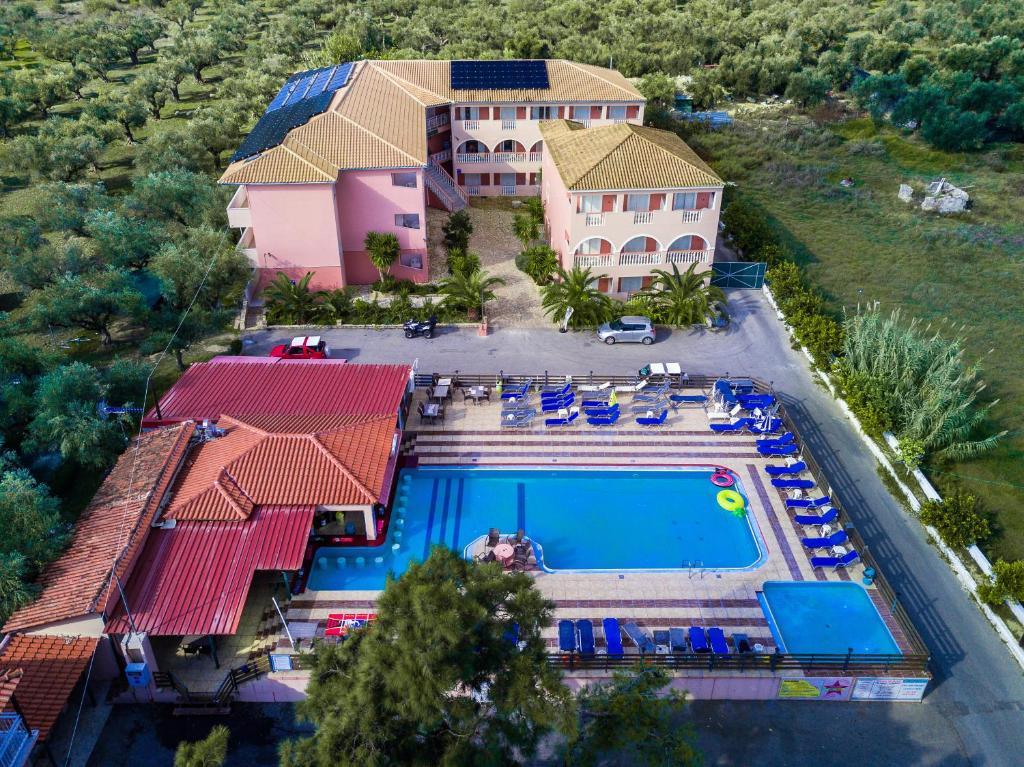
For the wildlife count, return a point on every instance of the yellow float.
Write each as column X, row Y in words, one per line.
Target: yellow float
column 732, row 502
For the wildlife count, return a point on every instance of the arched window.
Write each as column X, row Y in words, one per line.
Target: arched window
column 509, row 145
column 640, row 244
column 594, row 246
column 537, row 148
column 472, row 147
column 688, row 242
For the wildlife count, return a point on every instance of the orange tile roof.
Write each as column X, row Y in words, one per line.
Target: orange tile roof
column 113, row 526
column 51, row 667
column 299, row 460
column 9, row 679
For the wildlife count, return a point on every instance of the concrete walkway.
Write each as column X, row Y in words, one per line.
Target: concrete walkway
column 978, row 693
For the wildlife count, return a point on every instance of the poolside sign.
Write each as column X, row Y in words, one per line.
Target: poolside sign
column 816, row 688
column 875, row 688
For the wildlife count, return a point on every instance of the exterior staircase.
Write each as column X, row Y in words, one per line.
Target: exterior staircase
column 445, row 189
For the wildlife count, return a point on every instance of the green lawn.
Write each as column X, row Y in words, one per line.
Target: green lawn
column 864, row 244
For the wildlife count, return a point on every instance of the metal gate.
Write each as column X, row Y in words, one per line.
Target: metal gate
column 738, row 274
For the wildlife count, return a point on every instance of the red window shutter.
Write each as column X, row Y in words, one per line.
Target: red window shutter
column 485, row 179
column 561, row 113
column 604, row 284
column 520, row 113
column 606, row 247
column 703, row 200
column 646, row 283
column 458, row 113
column 650, row 245
column 533, row 179
column 462, row 180
column 595, row 113
column 632, row 112
column 520, row 179
column 657, row 200
column 608, row 203
column 697, row 243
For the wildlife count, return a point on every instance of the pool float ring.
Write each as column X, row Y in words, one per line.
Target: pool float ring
column 731, row 501
column 722, row 478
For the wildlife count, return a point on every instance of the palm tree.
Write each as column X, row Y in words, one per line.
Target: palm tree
column 383, row 249
column 469, row 292
column 576, row 289
column 525, row 228
column 682, row 299
column 292, row 303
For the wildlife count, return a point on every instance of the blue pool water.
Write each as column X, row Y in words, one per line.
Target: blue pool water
column 590, row 519
column 816, row 617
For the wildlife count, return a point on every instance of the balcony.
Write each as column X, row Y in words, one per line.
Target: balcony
column 536, row 156
column 509, row 190
column 239, row 215
column 16, row 740
column 437, row 123
column 498, row 157
column 470, row 125
column 644, row 217
column 594, row 219
column 650, row 258
column 247, row 245
column 601, row 260
column 692, row 216
column 508, row 124
column 473, row 157
column 439, row 157
column 473, row 191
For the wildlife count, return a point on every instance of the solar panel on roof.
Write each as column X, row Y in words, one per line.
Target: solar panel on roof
column 340, row 76
column 503, row 74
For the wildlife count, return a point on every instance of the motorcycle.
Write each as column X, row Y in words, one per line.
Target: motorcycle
column 425, row 328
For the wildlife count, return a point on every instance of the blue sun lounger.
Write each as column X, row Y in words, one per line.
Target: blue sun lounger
column 640, row 638
column 652, row 395
column 516, row 392
column 783, row 439
column 555, row 390
column 549, row 405
column 562, row 421
column 724, row 390
column 511, row 634
column 677, row 640
column 688, row 399
column 718, row 644
column 595, row 403
column 516, row 419
column 738, row 425
column 847, row 559
column 793, row 468
column 770, row 427
column 585, row 636
column 779, row 450
column 698, row 639
column 612, row 636
column 793, row 484
column 604, row 420
column 567, row 640
column 835, row 539
column 657, row 420
column 808, row 503
column 602, row 410
column 810, row 519
column 750, row 401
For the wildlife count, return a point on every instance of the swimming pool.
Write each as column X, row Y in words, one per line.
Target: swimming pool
column 586, row 519
column 816, row 617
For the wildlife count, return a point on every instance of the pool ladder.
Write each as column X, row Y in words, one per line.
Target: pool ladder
column 694, row 567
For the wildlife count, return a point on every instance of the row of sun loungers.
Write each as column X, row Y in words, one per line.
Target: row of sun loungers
column 578, row 637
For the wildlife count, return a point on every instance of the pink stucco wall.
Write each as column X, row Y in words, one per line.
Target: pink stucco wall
column 295, row 227
column 557, row 210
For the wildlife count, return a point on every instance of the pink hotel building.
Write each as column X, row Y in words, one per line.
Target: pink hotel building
column 367, row 146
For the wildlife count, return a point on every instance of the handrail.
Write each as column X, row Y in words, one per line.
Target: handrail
column 809, row 663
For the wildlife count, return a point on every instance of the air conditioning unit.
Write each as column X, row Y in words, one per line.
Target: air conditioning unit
column 137, row 674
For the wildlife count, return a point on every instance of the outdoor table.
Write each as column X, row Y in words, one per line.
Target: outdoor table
column 444, row 382
column 504, row 552
column 477, row 393
column 431, row 410
column 441, row 391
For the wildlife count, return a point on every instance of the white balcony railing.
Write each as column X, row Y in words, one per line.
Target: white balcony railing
column 439, row 157
column 438, row 121
column 595, row 219
column 509, row 190
column 692, row 216
column 473, row 191
column 470, row 125
column 584, row 122
column 247, row 244
column 594, row 259
column 473, row 157
column 239, row 215
column 641, row 259
column 508, row 124
column 644, row 217
column 690, row 256
column 536, row 156
column 508, row 157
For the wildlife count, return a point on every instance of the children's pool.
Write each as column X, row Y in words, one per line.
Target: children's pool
column 585, row 519
column 816, row 617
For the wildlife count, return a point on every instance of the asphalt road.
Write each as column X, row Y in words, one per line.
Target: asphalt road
column 974, row 710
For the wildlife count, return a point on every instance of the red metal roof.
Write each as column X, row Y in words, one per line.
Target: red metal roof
column 194, row 578
column 267, row 386
column 113, row 525
column 50, row 668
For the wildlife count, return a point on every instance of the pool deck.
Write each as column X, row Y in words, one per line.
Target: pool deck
column 471, row 435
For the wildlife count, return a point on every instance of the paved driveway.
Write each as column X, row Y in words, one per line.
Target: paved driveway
column 974, row 712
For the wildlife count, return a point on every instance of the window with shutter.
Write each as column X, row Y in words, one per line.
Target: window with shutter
column 595, row 113
column 632, row 112
column 608, row 203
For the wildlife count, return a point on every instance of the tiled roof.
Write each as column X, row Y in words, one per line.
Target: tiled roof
column 194, row 578
column 266, row 386
column 379, row 119
column 51, row 667
column 113, row 525
column 623, row 156
column 9, row 679
column 337, row 461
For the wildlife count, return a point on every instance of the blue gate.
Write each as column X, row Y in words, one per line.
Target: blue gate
column 738, row 274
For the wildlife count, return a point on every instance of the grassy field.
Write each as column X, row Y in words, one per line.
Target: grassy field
column 962, row 273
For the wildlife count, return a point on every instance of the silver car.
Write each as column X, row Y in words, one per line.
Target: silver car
column 624, row 329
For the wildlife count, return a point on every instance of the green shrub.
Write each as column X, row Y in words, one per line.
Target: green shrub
column 867, row 400
column 822, row 336
column 785, row 280
column 959, row 518
column 235, row 347
column 1007, row 584
column 462, row 262
column 773, row 254
column 457, row 230
column 539, row 262
column 746, row 226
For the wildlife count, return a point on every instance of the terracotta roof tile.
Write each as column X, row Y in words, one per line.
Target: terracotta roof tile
column 623, row 156
column 51, row 667
column 113, row 525
column 9, row 679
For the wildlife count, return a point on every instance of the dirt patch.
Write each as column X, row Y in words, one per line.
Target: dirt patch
column 518, row 300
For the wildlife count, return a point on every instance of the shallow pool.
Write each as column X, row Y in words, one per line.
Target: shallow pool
column 586, row 519
column 816, row 617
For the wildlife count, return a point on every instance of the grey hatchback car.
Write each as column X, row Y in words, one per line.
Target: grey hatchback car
column 626, row 329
